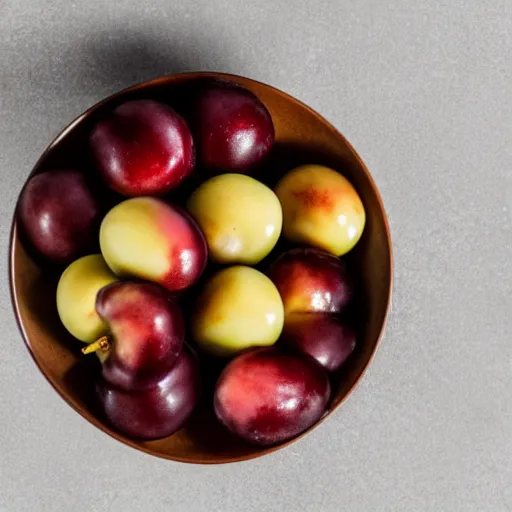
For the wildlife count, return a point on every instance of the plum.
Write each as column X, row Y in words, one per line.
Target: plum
column 311, row 281
column 158, row 411
column 232, row 128
column 238, row 308
column 240, row 217
column 147, row 238
column 321, row 208
column 143, row 148
column 267, row 396
column 146, row 333
column 60, row 214
column 325, row 337
column 76, row 297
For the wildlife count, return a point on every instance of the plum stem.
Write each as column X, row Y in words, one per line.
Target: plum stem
column 101, row 344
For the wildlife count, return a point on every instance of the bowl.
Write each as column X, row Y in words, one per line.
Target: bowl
column 302, row 136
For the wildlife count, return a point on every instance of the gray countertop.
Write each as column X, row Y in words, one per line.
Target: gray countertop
column 423, row 90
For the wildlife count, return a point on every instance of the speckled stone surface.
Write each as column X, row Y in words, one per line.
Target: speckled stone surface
column 424, row 92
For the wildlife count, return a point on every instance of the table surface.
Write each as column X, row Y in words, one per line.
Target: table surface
column 423, row 90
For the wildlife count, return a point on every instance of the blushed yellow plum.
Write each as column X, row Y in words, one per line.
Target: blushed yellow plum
column 150, row 239
column 76, row 297
column 241, row 218
column 321, row 208
column 238, row 308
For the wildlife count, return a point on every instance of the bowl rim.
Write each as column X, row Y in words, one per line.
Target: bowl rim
column 91, row 418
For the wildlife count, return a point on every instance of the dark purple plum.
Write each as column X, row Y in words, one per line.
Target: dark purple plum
column 146, row 333
column 267, row 396
column 158, row 411
column 233, row 129
column 60, row 215
column 143, row 148
column 324, row 337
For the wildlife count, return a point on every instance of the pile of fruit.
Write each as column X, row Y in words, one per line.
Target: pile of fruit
column 239, row 276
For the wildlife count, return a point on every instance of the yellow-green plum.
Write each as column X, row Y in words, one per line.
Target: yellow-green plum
column 241, row 218
column 76, row 297
column 321, row 208
column 147, row 238
column 238, row 308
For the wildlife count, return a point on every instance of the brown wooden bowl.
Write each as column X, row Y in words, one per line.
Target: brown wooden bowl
column 302, row 136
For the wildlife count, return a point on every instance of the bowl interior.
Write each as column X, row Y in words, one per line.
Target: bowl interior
column 302, row 136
